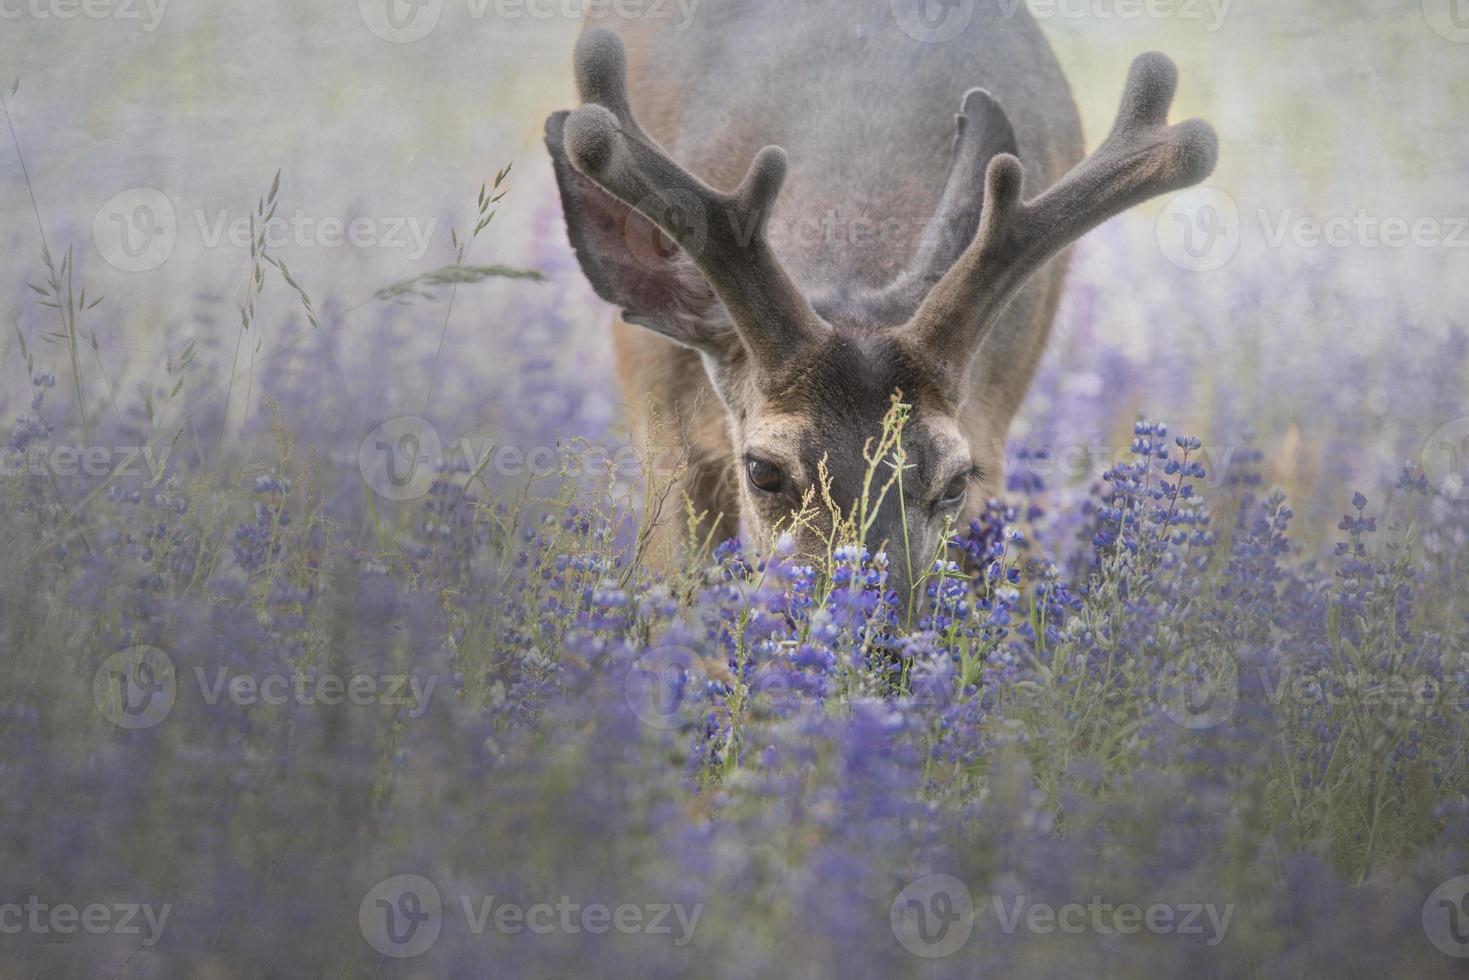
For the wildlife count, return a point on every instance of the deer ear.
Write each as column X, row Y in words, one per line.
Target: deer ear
column 630, row 263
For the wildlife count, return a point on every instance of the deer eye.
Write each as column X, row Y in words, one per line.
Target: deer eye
column 953, row 494
column 764, row 475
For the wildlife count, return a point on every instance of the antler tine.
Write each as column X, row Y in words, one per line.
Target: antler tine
column 981, row 132
column 1141, row 158
column 723, row 233
column 601, row 77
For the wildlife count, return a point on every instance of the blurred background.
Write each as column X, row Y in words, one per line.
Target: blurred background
column 1306, row 297
column 1307, row 305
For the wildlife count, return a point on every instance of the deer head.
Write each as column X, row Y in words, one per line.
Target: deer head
column 806, row 381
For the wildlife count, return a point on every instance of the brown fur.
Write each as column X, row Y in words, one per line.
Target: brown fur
column 761, row 359
column 666, row 390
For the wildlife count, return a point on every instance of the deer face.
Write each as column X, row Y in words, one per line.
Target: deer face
column 811, row 448
column 807, row 381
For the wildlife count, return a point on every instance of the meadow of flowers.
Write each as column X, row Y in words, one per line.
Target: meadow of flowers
column 325, row 659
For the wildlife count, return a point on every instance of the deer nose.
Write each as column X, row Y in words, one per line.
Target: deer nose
column 900, row 582
column 887, row 535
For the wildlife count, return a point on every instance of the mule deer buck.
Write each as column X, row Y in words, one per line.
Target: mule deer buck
column 773, row 357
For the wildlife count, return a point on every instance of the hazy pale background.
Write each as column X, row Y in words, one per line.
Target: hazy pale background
column 1326, row 110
